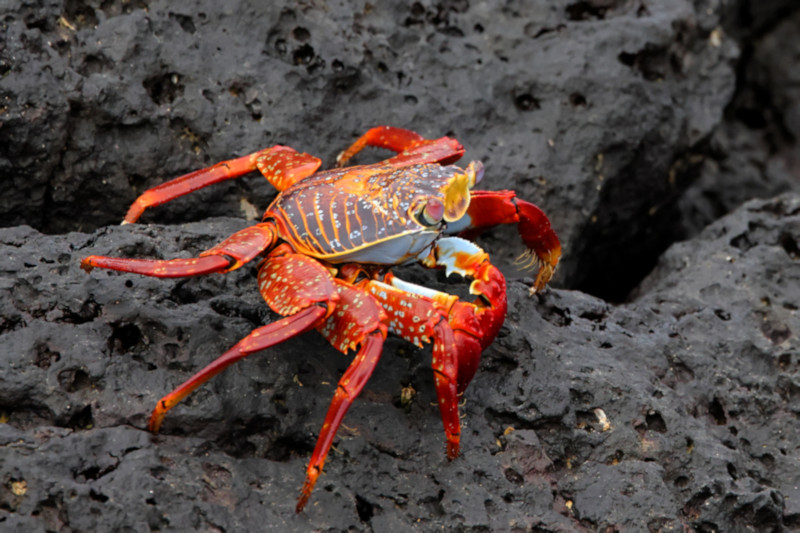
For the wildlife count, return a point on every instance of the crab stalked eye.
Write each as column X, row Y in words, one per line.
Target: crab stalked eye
column 429, row 212
column 433, row 211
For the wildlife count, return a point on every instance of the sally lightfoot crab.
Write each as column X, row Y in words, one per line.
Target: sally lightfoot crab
column 328, row 242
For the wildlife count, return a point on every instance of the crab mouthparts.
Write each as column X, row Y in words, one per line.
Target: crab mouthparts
column 456, row 193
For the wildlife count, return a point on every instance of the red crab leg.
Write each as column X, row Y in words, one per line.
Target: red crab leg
column 228, row 255
column 412, row 148
column 469, row 327
column 258, row 339
column 281, row 165
column 293, row 285
column 490, row 208
column 358, row 321
column 418, row 316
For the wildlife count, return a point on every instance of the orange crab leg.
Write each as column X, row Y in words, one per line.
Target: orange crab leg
column 281, row 165
column 412, row 148
column 258, row 339
column 298, row 286
column 490, row 208
column 293, row 285
column 358, row 321
column 349, row 387
column 306, row 294
column 233, row 252
column 171, row 268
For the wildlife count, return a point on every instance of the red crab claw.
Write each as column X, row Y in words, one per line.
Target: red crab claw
column 476, row 323
column 459, row 330
column 490, row 208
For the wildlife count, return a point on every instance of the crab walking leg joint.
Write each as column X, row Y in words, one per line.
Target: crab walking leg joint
column 327, row 244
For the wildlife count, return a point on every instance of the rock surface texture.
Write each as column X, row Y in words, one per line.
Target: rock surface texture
column 656, row 387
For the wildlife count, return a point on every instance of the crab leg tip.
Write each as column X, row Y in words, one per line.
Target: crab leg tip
column 86, row 264
column 308, row 486
column 453, row 447
column 155, row 421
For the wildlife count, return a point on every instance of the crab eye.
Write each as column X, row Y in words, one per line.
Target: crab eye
column 475, row 169
column 432, row 212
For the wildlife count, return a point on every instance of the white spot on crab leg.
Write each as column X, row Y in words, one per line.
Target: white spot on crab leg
column 414, row 288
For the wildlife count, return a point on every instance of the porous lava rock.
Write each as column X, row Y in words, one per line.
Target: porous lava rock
column 654, row 388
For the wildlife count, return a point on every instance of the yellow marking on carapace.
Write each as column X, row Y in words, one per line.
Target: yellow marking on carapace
column 333, row 219
column 320, row 225
column 285, row 216
column 377, row 222
column 347, row 226
column 309, row 235
column 358, row 221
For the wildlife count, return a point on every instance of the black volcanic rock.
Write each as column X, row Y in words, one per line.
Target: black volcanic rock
column 654, row 389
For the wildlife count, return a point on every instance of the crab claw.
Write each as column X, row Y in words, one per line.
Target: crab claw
column 475, row 324
column 459, row 330
column 544, row 248
column 490, row 208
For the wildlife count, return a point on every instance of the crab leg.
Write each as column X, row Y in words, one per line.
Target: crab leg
column 281, row 165
column 418, row 315
column 298, row 286
column 289, row 281
column 412, row 148
column 292, row 285
column 460, row 331
column 490, row 208
column 230, row 254
column 357, row 322
column 258, row 339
